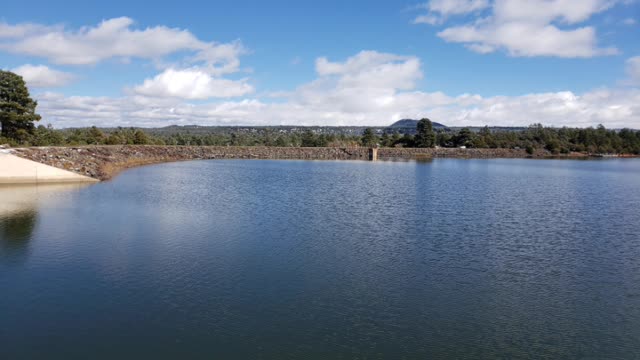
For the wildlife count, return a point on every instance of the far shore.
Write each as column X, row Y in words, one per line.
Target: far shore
column 103, row 162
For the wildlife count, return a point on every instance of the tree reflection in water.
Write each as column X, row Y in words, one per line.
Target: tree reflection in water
column 15, row 233
column 19, row 215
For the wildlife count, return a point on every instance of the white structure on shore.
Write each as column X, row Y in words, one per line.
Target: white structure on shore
column 16, row 170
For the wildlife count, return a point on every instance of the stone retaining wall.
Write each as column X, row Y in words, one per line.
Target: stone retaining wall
column 103, row 162
column 414, row 153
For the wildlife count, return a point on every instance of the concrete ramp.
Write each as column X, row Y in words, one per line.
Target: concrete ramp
column 16, row 170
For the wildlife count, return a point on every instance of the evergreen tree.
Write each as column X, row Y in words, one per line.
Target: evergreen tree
column 425, row 137
column 17, row 109
column 308, row 139
column 95, row 136
column 464, row 137
column 140, row 138
column 369, row 138
column 385, row 140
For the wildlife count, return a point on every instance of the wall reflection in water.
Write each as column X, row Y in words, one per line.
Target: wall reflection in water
column 19, row 214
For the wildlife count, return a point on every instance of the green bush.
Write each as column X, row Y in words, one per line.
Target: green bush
column 530, row 150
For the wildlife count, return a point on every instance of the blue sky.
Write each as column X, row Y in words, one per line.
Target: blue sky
column 459, row 62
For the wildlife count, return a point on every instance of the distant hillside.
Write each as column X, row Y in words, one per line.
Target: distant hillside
column 409, row 123
column 292, row 129
column 406, row 126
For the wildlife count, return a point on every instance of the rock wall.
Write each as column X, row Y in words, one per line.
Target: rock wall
column 415, row 153
column 103, row 162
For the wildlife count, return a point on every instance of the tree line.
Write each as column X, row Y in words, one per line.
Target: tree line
column 564, row 140
column 18, row 118
column 48, row 136
column 556, row 140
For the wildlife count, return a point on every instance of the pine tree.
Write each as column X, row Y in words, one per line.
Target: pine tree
column 425, row 136
column 17, row 109
column 369, row 138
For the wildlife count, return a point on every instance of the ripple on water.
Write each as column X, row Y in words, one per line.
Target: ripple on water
column 461, row 259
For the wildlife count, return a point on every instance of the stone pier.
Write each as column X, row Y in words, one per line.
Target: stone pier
column 373, row 154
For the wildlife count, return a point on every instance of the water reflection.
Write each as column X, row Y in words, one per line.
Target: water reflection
column 19, row 214
column 15, row 232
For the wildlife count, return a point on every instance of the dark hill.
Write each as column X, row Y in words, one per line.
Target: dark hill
column 411, row 124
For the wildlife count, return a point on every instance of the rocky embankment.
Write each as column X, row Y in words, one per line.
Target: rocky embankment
column 104, row 162
column 417, row 153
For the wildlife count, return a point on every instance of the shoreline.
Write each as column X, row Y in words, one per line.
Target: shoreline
column 103, row 162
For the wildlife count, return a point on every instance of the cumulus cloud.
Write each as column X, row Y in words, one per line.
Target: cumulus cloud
column 41, row 76
column 366, row 82
column 524, row 27
column 369, row 88
column 371, row 69
column 196, row 76
column 613, row 108
column 192, row 84
column 112, row 38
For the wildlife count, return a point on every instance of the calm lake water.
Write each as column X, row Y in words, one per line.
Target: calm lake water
column 462, row 259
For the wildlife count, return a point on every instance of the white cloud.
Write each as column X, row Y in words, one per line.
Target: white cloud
column 545, row 11
column 371, row 69
column 525, row 27
column 428, row 19
column 456, row 7
column 369, row 88
column 192, row 84
column 613, row 108
column 113, row 38
column 633, row 70
column 197, row 75
column 440, row 10
column 366, row 82
column 526, row 39
column 629, row 21
column 220, row 59
column 40, row 76
column 21, row 30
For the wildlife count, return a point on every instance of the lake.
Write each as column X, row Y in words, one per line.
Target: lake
column 467, row 259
